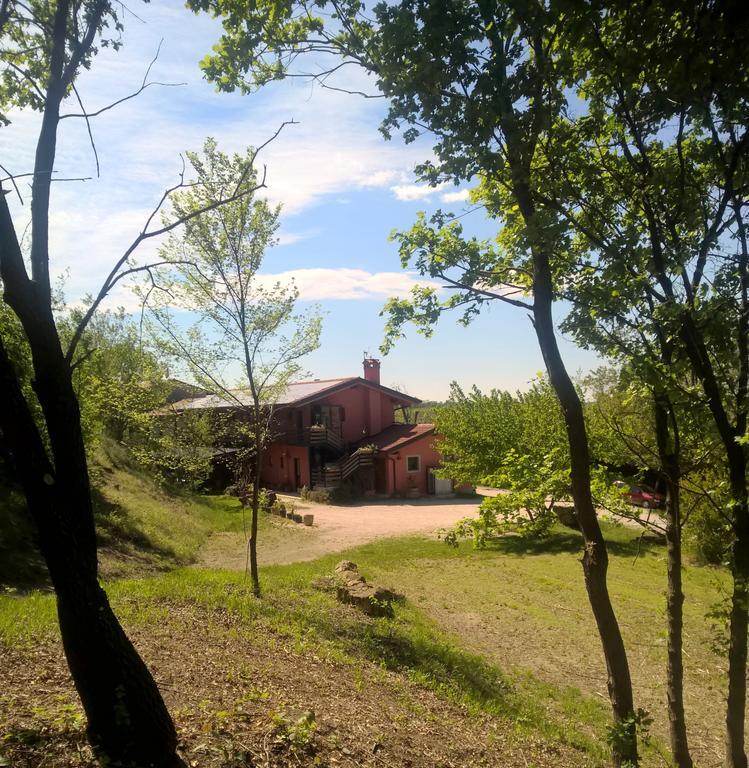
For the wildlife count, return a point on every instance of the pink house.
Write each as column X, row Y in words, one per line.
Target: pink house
column 344, row 430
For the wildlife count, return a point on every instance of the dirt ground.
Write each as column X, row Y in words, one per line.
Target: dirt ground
column 250, row 698
column 336, row 528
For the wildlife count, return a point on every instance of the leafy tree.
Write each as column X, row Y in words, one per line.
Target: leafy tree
column 240, row 324
column 42, row 49
column 656, row 170
column 512, row 443
column 476, row 432
column 488, row 80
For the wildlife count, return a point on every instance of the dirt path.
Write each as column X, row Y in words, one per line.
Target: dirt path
column 336, row 528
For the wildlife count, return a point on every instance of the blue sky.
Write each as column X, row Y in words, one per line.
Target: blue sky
column 343, row 190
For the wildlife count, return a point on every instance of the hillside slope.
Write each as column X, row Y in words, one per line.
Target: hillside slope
column 141, row 528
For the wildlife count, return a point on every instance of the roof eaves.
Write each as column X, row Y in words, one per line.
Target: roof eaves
column 339, row 384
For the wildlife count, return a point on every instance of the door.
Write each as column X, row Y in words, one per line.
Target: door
column 297, row 474
column 381, row 480
column 335, row 420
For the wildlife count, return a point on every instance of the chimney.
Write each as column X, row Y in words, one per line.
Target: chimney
column 372, row 370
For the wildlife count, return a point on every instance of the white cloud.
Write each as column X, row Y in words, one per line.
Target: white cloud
column 289, row 238
column 411, row 192
column 333, row 151
column 319, row 284
column 455, row 197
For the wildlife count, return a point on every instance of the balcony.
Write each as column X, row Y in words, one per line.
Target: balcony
column 318, row 436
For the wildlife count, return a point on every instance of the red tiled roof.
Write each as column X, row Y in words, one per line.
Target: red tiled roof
column 396, row 436
column 294, row 394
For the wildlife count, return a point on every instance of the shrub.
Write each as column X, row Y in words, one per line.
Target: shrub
column 321, row 496
column 264, row 501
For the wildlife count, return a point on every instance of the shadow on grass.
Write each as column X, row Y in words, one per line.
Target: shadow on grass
column 409, row 644
column 21, row 565
column 425, row 656
column 560, row 541
column 117, row 530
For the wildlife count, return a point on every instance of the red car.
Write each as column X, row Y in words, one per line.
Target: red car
column 641, row 496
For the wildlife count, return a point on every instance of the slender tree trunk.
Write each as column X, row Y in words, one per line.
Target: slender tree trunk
column 595, row 556
column 128, row 723
column 668, row 451
column 252, row 543
column 701, row 362
column 739, row 621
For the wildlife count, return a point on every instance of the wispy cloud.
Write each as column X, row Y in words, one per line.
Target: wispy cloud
column 455, row 197
column 411, row 192
column 289, row 238
column 334, row 149
column 421, row 192
column 319, row 284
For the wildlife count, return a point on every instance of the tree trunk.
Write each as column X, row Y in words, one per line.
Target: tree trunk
column 668, row 452
column 128, row 722
column 595, row 556
column 252, row 543
column 702, row 365
column 739, row 621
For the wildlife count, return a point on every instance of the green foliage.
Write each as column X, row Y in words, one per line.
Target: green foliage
column 122, row 388
column 476, row 431
column 263, row 501
column 118, row 379
column 513, row 443
column 26, row 53
column 212, row 274
column 619, row 733
column 16, row 345
column 236, row 322
column 175, row 451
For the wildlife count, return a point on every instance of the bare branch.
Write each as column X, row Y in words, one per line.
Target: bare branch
column 143, row 86
column 145, row 234
column 11, row 178
column 88, row 128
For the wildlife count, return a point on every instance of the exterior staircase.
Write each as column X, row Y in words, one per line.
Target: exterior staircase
column 333, row 473
column 321, row 436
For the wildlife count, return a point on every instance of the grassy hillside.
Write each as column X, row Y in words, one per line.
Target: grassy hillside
column 491, row 660
column 141, row 528
column 295, row 678
column 292, row 679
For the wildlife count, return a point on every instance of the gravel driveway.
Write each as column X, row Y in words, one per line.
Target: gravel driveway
column 337, row 528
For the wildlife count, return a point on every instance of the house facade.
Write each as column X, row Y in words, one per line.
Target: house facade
column 331, row 431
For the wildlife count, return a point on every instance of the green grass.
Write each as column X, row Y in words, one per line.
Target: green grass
column 505, row 631
column 135, row 516
column 141, row 527
column 302, row 613
column 132, row 510
column 515, row 588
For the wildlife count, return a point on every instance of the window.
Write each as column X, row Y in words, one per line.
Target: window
column 413, row 463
